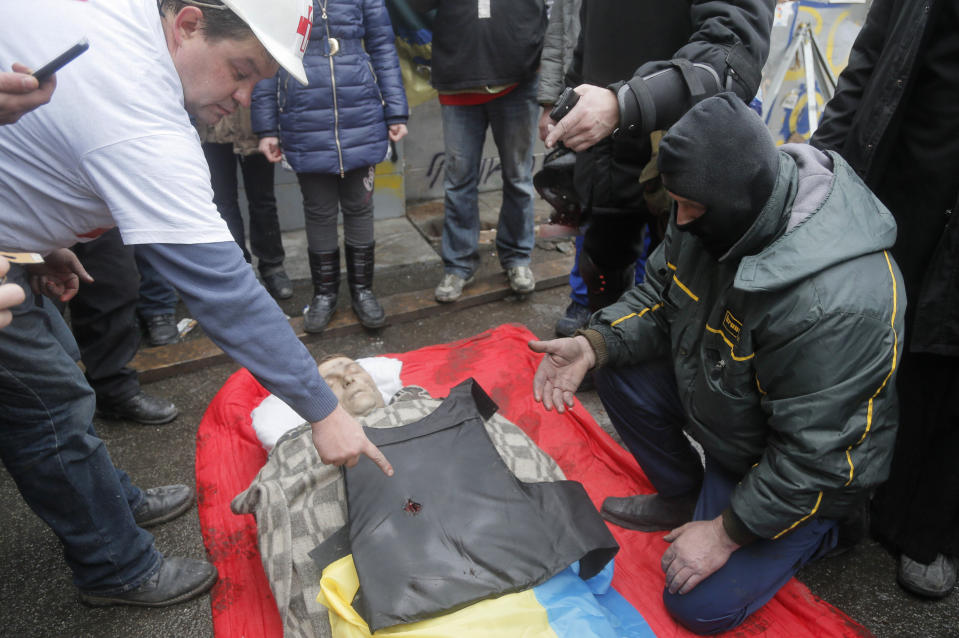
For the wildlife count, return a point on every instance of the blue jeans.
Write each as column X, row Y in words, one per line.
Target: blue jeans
column 644, row 407
column 512, row 118
column 60, row 466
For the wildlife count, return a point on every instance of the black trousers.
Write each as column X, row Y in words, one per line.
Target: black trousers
column 325, row 195
column 103, row 316
column 257, row 172
column 607, row 182
column 916, row 511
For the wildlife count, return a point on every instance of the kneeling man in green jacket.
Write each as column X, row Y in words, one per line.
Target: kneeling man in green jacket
column 768, row 328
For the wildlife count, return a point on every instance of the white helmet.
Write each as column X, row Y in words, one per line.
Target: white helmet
column 282, row 26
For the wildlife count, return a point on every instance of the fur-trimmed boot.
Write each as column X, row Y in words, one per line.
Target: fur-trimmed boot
column 325, row 272
column 359, row 274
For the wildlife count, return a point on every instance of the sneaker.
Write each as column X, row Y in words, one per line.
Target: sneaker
column 162, row 330
column 934, row 580
column 278, row 284
column 451, row 287
column 521, row 279
column 576, row 317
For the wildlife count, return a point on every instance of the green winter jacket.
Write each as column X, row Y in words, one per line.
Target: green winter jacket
column 785, row 351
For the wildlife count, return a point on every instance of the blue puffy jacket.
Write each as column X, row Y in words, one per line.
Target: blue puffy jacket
column 339, row 122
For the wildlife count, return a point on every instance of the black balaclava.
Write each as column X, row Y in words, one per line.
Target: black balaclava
column 721, row 155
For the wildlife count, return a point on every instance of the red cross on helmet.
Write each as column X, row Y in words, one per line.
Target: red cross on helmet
column 282, row 26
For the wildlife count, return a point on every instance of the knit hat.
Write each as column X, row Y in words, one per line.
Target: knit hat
column 721, row 155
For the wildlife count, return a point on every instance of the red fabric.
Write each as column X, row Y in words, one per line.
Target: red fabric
column 472, row 99
column 228, row 457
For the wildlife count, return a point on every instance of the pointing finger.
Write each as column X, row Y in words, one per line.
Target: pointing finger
column 379, row 458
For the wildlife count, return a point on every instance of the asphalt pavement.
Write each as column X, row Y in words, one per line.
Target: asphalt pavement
column 38, row 598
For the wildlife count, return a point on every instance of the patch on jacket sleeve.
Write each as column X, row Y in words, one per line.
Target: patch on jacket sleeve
column 732, row 327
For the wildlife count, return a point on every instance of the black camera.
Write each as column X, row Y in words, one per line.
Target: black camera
column 567, row 100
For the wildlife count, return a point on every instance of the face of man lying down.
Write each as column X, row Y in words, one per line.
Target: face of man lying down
column 352, row 385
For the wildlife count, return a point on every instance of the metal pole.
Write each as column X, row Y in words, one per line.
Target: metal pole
column 812, row 108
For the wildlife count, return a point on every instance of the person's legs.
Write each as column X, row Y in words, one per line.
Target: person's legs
column 916, row 511
column 157, row 305
column 61, row 467
column 157, row 296
column 356, row 200
column 464, row 130
column 265, row 239
column 223, row 162
column 643, row 405
column 577, row 312
column 513, row 119
column 753, row 574
column 577, row 286
column 321, row 209
column 103, row 316
column 612, row 245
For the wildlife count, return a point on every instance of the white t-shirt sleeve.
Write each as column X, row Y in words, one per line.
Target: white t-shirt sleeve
column 157, row 188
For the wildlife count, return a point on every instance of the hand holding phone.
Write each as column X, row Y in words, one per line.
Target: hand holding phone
column 20, row 93
column 58, row 62
column 567, row 100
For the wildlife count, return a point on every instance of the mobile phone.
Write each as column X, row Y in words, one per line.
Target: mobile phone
column 567, row 100
column 58, row 62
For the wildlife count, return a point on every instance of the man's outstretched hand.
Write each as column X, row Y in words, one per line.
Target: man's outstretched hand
column 697, row 550
column 340, row 440
column 562, row 369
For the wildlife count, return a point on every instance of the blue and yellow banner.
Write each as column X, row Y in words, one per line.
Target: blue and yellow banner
column 565, row 606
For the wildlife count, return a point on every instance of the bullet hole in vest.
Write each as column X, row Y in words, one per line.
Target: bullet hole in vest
column 412, row 507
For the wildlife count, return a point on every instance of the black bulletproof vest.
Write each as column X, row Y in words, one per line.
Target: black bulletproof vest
column 453, row 526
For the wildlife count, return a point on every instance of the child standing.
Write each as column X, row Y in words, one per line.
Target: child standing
column 332, row 133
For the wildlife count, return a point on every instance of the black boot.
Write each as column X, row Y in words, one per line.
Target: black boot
column 325, row 272
column 604, row 286
column 359, row 272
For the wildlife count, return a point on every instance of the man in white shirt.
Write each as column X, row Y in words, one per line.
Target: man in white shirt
column 115, row 147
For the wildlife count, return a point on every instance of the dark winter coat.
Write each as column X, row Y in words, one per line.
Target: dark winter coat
column 620, row 41
column 471, row 51
column 339, row 121
column 861, row 122
column 785, row 350
column 873, row 85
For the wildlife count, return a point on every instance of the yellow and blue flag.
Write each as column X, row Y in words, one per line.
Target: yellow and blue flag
column 565, row 606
